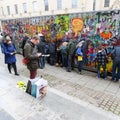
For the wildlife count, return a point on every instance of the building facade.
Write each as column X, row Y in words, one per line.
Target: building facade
column 29, row 8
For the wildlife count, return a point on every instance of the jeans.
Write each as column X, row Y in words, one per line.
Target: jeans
column 116, row 70
column 64, row 60
column 33, row 74
column 104, row 70
column 70, row 62
column 80, row 64
column 85, row 58
column 42, row 62
column 14, row 67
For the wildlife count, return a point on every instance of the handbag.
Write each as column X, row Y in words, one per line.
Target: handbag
column 25, row 61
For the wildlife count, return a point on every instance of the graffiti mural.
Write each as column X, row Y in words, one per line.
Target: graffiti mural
column 77, row 25
column 97, row 25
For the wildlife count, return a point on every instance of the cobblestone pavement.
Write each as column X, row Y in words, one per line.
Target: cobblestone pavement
column 101, row 93
column 106, row 101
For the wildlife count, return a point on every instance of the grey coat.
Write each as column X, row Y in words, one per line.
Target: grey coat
column 116, row 54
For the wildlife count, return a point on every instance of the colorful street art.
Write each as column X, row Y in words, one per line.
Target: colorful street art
column 77, row 25
column 99, row 27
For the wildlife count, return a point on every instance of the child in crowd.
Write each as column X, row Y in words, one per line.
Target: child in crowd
column 79, row 54
column 63, row 49
column 101, row 61
column 90, row 54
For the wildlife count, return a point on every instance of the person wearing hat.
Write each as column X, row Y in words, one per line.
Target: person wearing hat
column 10, row 58
column 30, row 52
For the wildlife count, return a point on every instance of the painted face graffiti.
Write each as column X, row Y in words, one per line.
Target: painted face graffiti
column 77, row 25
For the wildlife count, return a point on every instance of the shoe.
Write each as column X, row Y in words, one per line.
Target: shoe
column 80, row 72
column 68, row 70
column 98, row 77
column 112, row 79
column 17, row 74
column 115, row 80
column 72, row 68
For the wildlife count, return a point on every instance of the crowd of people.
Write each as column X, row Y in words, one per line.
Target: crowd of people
column 64, row 53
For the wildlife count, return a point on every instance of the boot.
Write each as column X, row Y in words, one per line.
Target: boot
column 9, row 68
column 15, row 69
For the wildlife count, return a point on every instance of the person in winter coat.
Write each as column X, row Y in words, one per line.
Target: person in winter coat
column 41, row 49
column 24, row 41
column 63, row 49
column 79, row 54
column 85, row 49
column 52, row 52
column 10, row 51
column 101, row 60
column 32, row 55
column 116, row 64
column 71, row 47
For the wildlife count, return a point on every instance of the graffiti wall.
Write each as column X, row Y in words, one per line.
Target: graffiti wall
column 99, row 27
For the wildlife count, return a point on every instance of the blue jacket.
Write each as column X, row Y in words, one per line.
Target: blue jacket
column 8, row 49
column 79, row 51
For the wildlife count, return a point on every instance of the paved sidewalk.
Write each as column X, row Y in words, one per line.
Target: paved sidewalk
column 97, row 92
column 17, row 105
column 5, row 116
column 101, row 93
column 87, row 87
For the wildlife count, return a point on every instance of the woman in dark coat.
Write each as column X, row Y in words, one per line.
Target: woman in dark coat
column 10, row 59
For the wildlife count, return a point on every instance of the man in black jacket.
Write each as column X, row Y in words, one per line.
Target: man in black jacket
column 41, row 49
